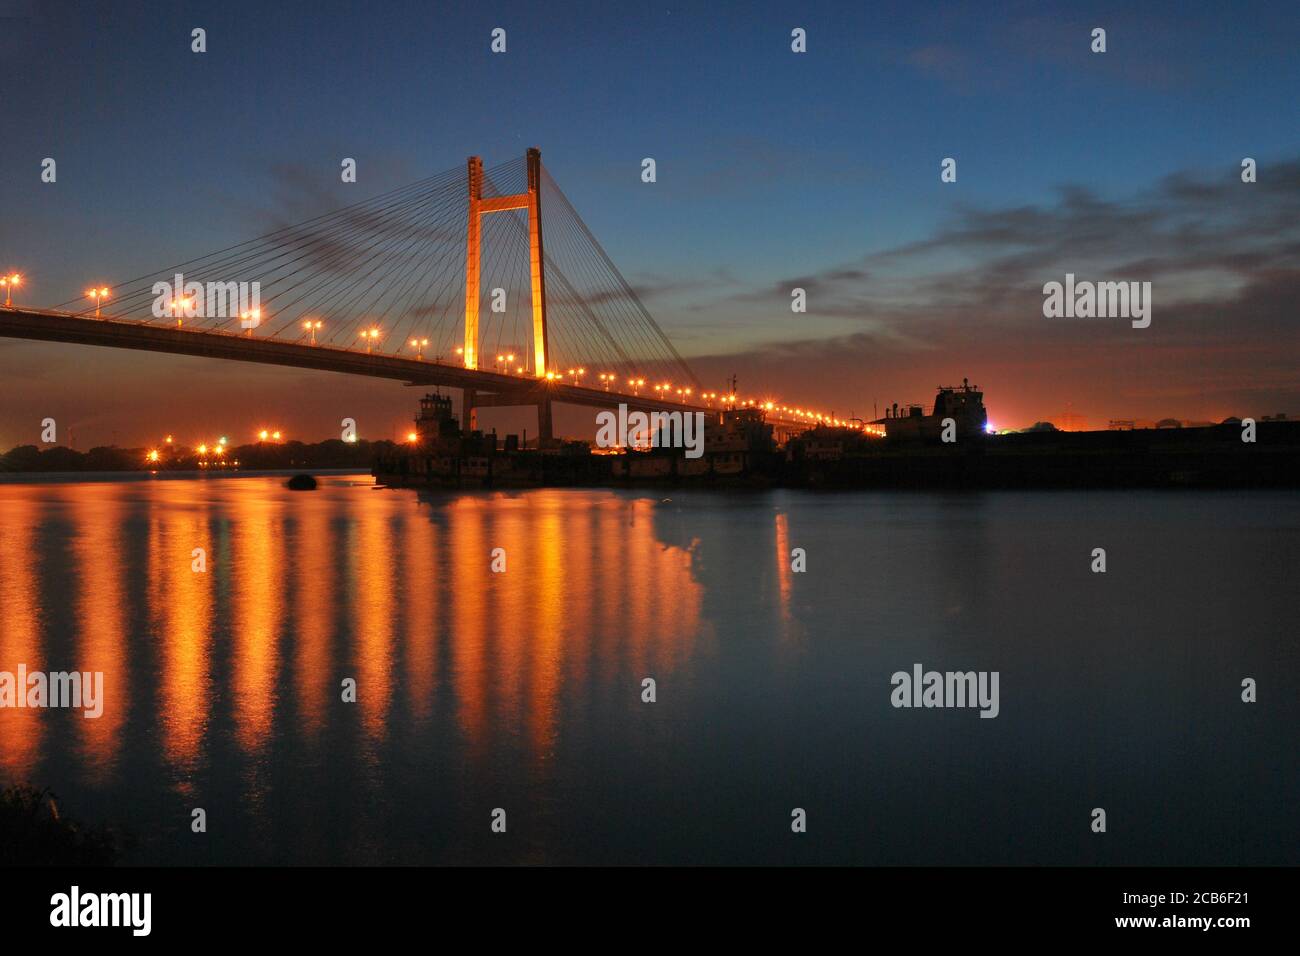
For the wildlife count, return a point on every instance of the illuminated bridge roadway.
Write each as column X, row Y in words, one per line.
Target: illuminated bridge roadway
column 411, row 269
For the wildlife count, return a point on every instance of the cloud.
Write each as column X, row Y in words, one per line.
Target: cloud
column 969, row 54
column 1223, row 258
column 1197, row 239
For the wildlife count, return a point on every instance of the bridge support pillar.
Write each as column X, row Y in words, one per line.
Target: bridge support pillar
column 472, row 262
column 530, row 201
column 544, row 433
column 536, row 261
column 467, row 416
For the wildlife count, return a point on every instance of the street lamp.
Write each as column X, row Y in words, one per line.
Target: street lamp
column 313, row 326
column 418, row 345
column 9, row 282
column 179, row 307
column 98, row 295
column 370, row 335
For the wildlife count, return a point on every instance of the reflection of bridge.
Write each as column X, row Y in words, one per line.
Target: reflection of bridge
column 405, row 274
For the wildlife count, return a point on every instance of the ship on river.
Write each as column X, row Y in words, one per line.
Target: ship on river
column 946, row 447
column 963, row 405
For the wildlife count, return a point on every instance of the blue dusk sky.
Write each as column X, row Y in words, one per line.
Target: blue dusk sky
column 775, row 170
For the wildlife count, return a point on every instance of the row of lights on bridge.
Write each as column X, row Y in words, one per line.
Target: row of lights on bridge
column 608, row 380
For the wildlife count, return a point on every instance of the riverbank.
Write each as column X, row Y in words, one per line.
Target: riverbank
column 70, row 477
column 1208, row 458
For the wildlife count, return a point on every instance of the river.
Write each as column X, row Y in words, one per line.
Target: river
column 514, row 679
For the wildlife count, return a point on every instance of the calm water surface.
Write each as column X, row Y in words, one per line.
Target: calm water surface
column 522, row 690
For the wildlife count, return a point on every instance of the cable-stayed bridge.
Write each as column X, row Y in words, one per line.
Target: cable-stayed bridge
column 484, row 280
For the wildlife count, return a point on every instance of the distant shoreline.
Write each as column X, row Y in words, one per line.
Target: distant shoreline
column 22, row 477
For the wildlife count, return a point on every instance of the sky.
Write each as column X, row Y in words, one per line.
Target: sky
column 775, row 170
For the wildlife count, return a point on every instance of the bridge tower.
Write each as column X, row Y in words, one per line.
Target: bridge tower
column 479, row 207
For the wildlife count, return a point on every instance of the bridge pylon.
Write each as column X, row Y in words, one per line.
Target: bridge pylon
column 531, row 200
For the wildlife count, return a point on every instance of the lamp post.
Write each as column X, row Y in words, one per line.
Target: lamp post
column 98, row 295
column 9, row 282
column 250, row 320
column 179, row 307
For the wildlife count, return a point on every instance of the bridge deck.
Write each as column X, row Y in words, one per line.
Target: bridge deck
column 50, row 326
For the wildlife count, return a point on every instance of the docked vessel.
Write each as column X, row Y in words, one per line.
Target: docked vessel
column 964, row 404
column 908, row 448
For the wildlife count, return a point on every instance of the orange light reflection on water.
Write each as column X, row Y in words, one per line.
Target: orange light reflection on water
column 21, row 730
column 299, row 592
column 99, row 551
